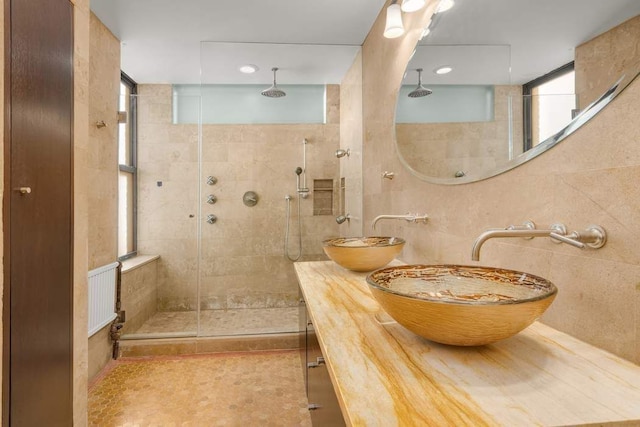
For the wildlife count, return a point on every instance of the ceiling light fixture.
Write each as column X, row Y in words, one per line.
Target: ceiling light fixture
column 393, row 27
column 445, row 69
column 412, row 5
column 248, row 68
column 444, row 5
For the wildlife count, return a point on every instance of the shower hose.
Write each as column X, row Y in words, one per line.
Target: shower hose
column 286, row 234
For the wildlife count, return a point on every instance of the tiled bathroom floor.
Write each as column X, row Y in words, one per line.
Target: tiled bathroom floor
column 245, row 321
column 233, row 389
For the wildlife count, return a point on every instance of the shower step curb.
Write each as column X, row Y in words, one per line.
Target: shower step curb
column 204, row 345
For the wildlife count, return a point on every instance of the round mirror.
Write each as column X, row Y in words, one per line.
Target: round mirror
column 494, row 84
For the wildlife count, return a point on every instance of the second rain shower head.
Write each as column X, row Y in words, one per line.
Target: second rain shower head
column 274, row 91
column 420, row 91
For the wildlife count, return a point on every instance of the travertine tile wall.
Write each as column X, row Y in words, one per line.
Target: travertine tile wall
column 351, row 137
column 81, row 37
column 591, row 177
column 621, row 45
column 102, row 167
column 139, row 295
column 104, row 90
column 475, row 148
column 243, row 264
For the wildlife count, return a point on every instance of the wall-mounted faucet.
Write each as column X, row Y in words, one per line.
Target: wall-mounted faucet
column 342, row 218
column 594, row 236
column 408, row 217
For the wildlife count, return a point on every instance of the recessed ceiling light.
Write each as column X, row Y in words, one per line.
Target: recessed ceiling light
column 248, row 69
column 443, row 70
column 444, row 5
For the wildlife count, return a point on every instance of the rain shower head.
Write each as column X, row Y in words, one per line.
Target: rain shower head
column 420, row 91
column 274, row 91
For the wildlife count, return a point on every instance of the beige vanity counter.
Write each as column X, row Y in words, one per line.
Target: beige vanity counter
column 384, row 375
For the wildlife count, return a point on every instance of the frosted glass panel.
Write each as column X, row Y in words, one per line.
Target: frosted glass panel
column 243, row 104
column 447, row 104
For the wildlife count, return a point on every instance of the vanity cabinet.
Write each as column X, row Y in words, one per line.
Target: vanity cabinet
column 323, row 403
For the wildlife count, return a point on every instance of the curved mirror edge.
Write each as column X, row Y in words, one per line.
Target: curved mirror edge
column 585, row 115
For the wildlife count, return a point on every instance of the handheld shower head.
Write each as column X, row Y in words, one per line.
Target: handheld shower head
column 298, row 170
column 420, row 91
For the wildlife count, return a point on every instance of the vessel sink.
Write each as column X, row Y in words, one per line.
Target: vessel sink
column 363, row 253
column 461, row 305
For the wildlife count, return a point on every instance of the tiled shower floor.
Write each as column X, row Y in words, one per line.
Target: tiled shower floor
column 245, row 321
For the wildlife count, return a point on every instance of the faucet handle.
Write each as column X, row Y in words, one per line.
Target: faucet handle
column 594, row 237
column 571, row 239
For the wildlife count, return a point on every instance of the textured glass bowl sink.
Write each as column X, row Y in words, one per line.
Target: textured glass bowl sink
column 461, row 305
column 363, row 253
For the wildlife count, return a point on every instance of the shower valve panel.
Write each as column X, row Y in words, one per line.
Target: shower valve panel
column 250, row 198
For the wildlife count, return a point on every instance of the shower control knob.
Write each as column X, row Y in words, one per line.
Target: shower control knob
column 212, row 180
column 250, row 198
column 211, row 199
column 211, row 219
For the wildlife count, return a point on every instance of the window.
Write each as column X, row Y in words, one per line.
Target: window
column 127, row 175
column 549, row 105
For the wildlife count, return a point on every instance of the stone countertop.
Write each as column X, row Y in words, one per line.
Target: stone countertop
column 384, row 375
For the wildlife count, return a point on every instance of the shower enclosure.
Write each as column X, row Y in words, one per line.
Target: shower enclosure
column 212, row 182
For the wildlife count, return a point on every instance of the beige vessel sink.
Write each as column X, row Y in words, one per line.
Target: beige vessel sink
column 363, row 253
column 461, row 305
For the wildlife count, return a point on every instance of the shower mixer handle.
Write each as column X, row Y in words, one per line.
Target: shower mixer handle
column 211, row 219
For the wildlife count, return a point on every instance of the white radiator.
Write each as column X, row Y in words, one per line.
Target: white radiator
column 102, row 296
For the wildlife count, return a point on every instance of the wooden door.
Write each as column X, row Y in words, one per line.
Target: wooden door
column 38, row 219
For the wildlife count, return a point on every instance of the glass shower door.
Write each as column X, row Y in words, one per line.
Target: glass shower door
column 161, row 297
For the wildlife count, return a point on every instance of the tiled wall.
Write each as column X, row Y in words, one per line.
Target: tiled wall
column 139, row 294
column 351, row 137
column 104, row 89
column 591, row 177
column 81, row 19
column 474, row 148
column 102, row 167
column 621, row 45
column 242, row 253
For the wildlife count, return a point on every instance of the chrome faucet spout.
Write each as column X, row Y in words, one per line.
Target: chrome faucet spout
column 507, row 232
column 593, row 237
column 408, row 217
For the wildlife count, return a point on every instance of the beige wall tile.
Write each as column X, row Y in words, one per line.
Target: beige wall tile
column 600, row 62
column 242, row 264
column 100, row 351
column 588, row 178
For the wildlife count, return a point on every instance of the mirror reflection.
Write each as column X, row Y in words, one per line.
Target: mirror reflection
column 500, row 83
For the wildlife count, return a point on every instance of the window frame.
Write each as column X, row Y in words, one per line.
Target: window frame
column 527, row 89
column 133, row 167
